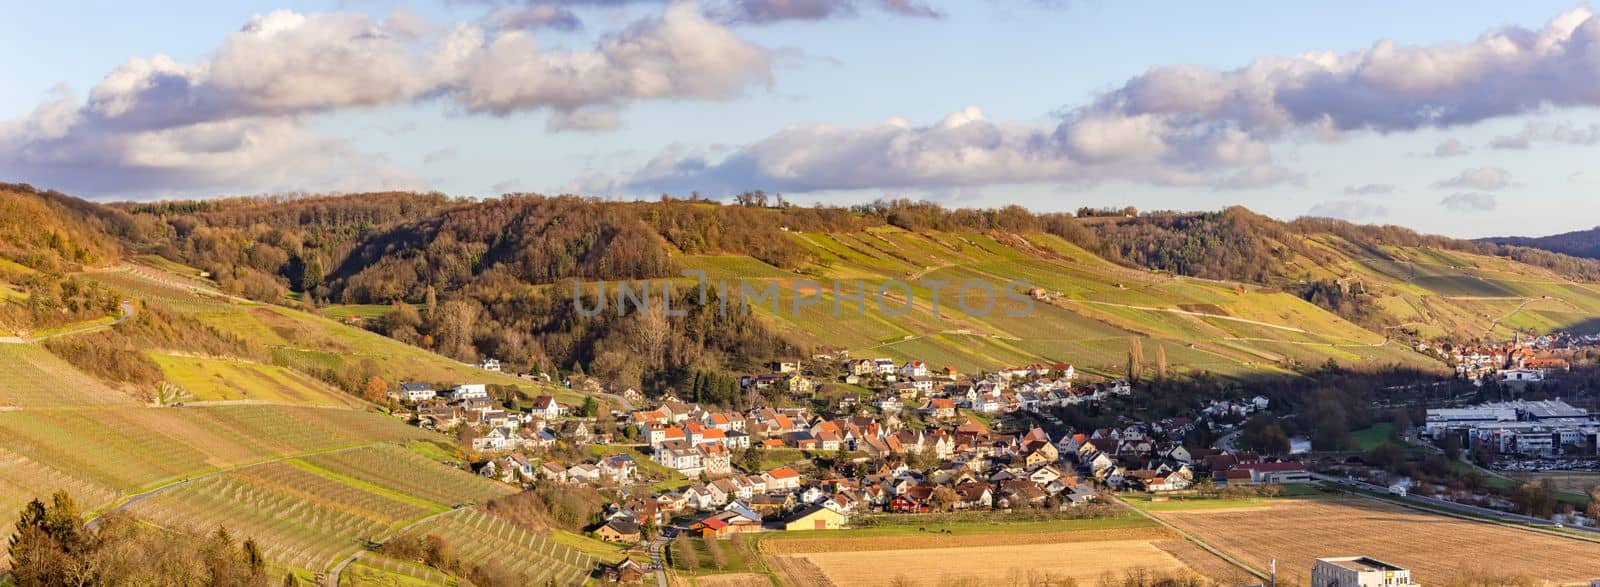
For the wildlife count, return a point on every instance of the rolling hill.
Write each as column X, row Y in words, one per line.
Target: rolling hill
column 195, row 364
column 1578, row 243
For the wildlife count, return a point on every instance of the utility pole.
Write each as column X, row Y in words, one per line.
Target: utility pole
column 1273, row 565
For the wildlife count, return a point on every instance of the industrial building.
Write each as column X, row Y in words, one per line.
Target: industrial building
column 1530, row 428
column 1358, row 571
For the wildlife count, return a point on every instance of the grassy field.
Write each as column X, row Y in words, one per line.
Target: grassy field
column 1436, row 548
column 210, row 379
column 1178, row 503
column 1373, row 436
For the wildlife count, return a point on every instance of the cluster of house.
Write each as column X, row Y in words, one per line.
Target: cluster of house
column 1519, row 361
column 469, row 404
column 1150, row 457
column 1526, row 428
column 939, row 392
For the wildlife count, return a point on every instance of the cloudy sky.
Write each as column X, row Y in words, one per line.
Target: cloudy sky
column 1464, row 118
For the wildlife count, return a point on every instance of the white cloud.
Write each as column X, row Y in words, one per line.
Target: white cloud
column 532, row 17
column 1353, row 210
column 236, row 119
column 1184, row 125
column 1470, row 202
column 1564, row 133
column 1478, row 178
column 1371, row 189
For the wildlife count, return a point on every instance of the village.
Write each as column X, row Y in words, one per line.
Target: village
column 924, row 441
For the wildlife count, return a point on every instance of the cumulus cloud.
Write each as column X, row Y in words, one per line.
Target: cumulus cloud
column 770, row 11
column 1451, row 148
column 237, row 118
column 532, row 17
column 1186, row 124
column 1469, row 202
column 1371, row 189
column 1478, row 178
column 1353, row 210
column 1564, row 133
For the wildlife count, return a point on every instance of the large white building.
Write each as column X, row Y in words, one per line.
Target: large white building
column 1358, row 571
column 1518, row 427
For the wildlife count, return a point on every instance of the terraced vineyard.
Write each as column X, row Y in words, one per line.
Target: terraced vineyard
column 508, row 549
column 209, row 379
column 32, row 377
column 301, row 519
column 1095, row 309
column 405, row 471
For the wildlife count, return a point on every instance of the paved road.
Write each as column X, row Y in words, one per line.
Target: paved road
column 658, row 560
column 1467, row 509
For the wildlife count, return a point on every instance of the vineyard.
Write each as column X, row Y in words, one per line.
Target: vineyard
column 506, row 548
column 405, row 471
column 301, row 519
column 32, row 377
column 208, row 379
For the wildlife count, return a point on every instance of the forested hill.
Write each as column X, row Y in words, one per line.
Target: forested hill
column 1229, row 292
column 1579, row 243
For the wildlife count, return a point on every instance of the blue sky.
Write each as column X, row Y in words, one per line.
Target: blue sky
column 1044, row 103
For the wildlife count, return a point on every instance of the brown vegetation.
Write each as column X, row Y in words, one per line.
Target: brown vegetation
column 52, row 546
column 118, row 355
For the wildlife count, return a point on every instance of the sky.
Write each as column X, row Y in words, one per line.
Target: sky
column 1461, row 118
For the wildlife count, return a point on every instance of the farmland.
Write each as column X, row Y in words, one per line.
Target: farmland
column 1095, row 310
column 964, row 547
column 507, row 549
column 32, row 377
column 1005, row 556
column 302, row 519
column 210, row 379
column 1435, row 548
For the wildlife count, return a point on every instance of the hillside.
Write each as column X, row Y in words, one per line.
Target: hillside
column 1578, row 243
column 248, row 431
column 1230, row 293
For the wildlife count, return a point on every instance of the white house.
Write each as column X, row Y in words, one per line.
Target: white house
column 470, row 391
column 416, row 392
column 490, row 365
column 914, row 369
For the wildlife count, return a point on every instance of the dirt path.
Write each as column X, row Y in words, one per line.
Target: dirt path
column 332, row 578
column 128, row 311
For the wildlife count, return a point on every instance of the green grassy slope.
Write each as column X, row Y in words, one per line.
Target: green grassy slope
column 1095, row 308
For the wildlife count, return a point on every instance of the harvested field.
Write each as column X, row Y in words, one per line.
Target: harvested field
column 1206, row 564
column 732, row 580
column 1015, row 564
column 794, row 570
column 1436, row 548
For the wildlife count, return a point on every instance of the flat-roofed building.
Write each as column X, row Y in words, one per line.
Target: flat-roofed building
column 1358, row 571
